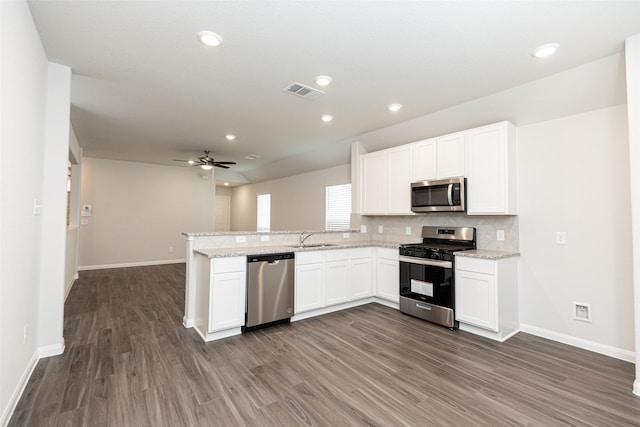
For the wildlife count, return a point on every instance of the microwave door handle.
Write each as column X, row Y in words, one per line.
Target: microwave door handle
column 450, row 195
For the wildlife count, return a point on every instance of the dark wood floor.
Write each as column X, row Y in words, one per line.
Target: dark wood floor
column 129, row 362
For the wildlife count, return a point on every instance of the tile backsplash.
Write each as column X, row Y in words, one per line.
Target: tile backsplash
column 394, row 228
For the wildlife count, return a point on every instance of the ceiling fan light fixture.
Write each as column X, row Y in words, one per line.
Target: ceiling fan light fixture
column 210, row 38
column 323, row 80
column 206, row 167
column 545, row 50
column 191, row 162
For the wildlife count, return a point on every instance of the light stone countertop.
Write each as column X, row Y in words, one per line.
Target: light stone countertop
column 253, row 233
column 267, row 250
column 485, row 254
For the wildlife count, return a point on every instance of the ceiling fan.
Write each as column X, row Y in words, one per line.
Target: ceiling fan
column 206, row 162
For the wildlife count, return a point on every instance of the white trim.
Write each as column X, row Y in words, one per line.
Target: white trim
column 188, row 323
column 130, row 264
column 17, row 393
column 51, row 350
column 66, row 294
column 496, row 336
column 636, row 387
column 607, row 350
column 331, row 309
column 390, row 304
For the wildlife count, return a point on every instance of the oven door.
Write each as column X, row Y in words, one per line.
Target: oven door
column 430, row 281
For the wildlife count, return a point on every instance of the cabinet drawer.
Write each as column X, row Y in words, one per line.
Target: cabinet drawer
column 476, row 265
column 361, row 253
column 336, row 255
column 228, row 265
column 311, row 257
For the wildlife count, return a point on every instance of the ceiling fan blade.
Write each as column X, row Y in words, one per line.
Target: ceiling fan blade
column 225, row 163
column 221, row 166
column 180, row 160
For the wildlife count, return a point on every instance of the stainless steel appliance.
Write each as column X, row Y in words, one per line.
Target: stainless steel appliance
column 439, row 196
column 427, row 288
column 270, row 285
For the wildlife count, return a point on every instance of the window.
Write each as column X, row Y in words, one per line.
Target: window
column 264, row 212
column 338, row 207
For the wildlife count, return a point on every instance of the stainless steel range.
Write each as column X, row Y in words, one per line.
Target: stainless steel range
column 427, row 288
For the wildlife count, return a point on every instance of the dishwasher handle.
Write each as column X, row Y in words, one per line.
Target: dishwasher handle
column 271, row 258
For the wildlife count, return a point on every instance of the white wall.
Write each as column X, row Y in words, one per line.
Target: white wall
column 140, row 211
column 22, row 123
column 574, row 177
column 297, row 202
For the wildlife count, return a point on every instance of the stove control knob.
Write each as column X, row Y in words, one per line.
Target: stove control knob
column 435, row 256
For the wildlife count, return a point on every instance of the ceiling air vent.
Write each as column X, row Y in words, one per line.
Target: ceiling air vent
column 303, row 91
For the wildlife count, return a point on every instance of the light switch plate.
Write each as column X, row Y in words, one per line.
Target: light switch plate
column 380, row 229
column 363, row 228
column 407, row 230
column 345, row 235
column 264, row 238
column 499, row 234
column 561, row 237
column 241, row 239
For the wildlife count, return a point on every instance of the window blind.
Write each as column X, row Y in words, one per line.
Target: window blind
column 264, row 212
column 338, row 207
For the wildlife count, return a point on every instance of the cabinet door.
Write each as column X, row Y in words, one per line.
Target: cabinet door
column 425, row 160
column 491, row 177
column 399, row 176
column 227, row 301
column 451, row 155
column 388, row 279
column 336, row 282
column 476, row 299
column 309, row 288
column 361, row 272
column 374, row 183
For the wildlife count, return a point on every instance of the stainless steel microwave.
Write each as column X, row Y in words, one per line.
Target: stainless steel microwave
column 443, row 195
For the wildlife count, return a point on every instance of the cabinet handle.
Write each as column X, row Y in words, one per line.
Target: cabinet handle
column 424, row 307
column 450, row 194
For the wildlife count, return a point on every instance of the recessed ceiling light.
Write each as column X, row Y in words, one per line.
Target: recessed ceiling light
column 394, row 107
column 230, row 137
column 545, row 50
column 191, row 162
column 210, row 38
column 252, row 157
column 226, row 184
column 323, row 80
column 327, row 118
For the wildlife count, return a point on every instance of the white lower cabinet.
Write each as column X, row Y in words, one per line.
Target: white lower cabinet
column 220, row 296
column 336, row 277
column 387, row 274
column 309, row 281
column 487, row 296
column 361, row 284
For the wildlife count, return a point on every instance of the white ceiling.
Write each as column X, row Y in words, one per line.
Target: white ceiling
column 145, row 89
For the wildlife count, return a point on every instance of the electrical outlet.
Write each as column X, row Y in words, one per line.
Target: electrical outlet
column 499, row 234
column 582, row 311
column 363, row 228
column 241, row 239
column 380, row 229
column 170, row 249
column 561, row 238
column 26, row 333
column 264, row 238
column 345, row 235
column 407, row 231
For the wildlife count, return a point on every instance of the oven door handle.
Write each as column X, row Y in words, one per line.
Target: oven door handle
column 450, row 194
column 425, row 261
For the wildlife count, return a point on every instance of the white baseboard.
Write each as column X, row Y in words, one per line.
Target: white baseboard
column 17, row 393
column 188, row 323
column 607, row 350
column 130, row 264
column 51, row 350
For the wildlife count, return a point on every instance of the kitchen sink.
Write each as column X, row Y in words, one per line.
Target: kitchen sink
column 313, row 245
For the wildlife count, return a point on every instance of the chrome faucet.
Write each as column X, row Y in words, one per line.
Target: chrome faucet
column 303, row 238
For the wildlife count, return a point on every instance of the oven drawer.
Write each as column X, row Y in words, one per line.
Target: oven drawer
column 476, row 265
column 431, row 312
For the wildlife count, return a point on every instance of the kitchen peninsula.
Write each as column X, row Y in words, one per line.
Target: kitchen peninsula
column 334, row 271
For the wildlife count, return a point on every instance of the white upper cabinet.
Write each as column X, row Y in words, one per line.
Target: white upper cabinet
column 425, row 160
column 451, row 155
column 386, row 179
column 374, row 182
column 491, row 170
column 439, row 158
column 399, row 180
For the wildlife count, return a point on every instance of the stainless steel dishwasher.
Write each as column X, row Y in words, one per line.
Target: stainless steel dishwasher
column 270, row 285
